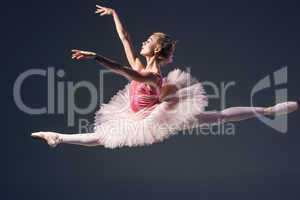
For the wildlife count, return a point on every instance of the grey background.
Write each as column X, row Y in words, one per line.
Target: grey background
column 241, row 41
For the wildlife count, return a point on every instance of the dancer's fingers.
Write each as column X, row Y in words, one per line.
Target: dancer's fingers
column 82, row 52
column 75, row 57
column 79, row 57
column 37, row 135
column 99, row 6
column 100, row 11
column 76, row 54
column 75, row 50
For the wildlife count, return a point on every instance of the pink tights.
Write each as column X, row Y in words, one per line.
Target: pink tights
column 230, row 114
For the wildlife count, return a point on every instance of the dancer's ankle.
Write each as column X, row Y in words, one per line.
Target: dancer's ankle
column 269, row 111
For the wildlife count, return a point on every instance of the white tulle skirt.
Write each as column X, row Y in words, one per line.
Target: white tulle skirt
column 117, row 125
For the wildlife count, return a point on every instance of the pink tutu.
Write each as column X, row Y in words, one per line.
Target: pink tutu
column 117, row 125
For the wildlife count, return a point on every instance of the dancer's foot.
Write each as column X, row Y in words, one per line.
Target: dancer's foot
column 52, row 138
column 282, row 108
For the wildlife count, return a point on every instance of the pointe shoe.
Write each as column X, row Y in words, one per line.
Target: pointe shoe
column 282, row 108
column 51, row 138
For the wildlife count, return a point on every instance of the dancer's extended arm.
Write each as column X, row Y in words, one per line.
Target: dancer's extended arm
column 117, row 68
column 124, row 36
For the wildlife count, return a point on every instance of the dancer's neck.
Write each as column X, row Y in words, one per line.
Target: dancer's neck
column 153, row 65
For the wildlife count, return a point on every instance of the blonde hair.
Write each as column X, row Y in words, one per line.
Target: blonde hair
column 167, row 45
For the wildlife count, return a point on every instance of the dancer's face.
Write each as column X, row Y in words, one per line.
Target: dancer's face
column 150, row 46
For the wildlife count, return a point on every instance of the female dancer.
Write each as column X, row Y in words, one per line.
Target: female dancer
column 151, row 108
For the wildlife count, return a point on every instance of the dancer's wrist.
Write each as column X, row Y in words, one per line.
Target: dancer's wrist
column 113, row 12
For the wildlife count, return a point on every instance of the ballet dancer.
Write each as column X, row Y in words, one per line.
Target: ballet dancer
column 151, row 107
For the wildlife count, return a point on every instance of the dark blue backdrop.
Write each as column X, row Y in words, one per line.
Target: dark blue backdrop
column 241, row 41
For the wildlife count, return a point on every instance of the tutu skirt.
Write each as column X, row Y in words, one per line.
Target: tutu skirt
column 118, row 126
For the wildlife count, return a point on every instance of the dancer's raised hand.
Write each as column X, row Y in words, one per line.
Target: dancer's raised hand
column 79, row 54
column 103, row 10
column 124, row 36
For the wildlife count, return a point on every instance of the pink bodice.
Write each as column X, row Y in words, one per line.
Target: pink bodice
column 143, row 95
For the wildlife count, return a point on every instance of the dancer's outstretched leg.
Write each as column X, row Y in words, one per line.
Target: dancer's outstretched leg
column 229, row 114
column 53, row 138
column 242, row 113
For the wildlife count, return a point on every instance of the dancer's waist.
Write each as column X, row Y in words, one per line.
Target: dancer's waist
column 139, row 102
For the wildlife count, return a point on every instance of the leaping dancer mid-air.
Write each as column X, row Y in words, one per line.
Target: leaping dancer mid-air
column 151, row 108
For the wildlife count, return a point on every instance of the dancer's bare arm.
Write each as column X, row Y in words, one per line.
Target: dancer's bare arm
column 124, row 36
column 117, row 68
